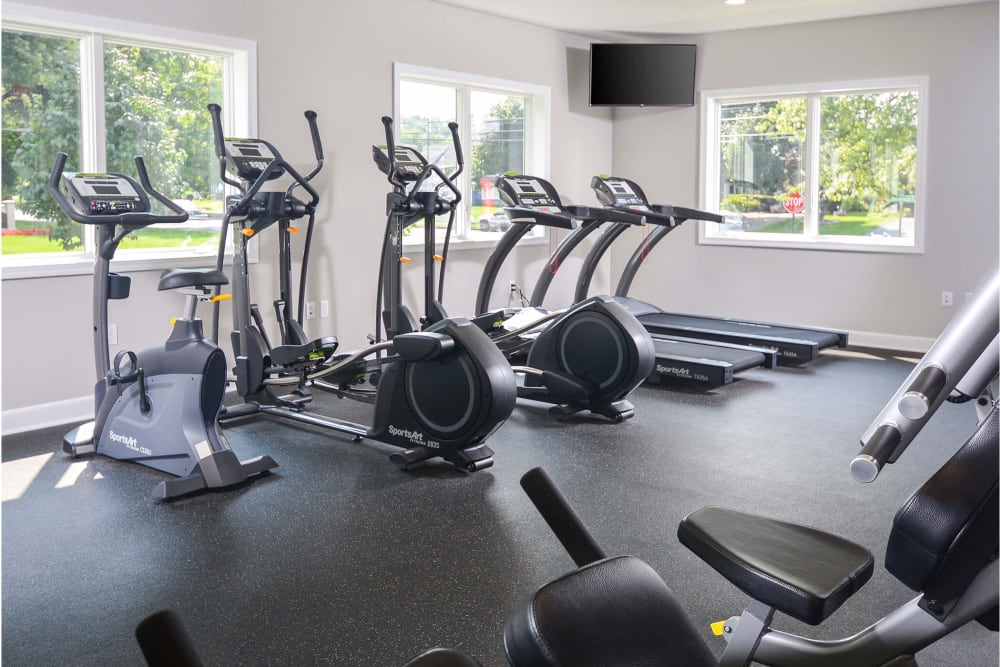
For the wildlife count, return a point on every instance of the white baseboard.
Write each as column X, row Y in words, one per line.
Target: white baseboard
column 80, row 409
column 882, row 341
column 34, row 417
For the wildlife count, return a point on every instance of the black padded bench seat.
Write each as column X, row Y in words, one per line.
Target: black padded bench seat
column 615, row 611
column 803, row 572
column 176, row 278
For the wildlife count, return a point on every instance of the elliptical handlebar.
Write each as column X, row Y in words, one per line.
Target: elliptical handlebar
column 274, row 165
column 130, row 218
column 447, row 180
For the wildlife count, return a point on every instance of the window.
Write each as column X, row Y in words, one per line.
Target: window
column 831, row 167
column 104, row 92
column 503, row 126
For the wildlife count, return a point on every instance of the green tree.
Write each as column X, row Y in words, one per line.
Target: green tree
column 41, row 117
column 155, row 106
column 498, row 145
column 868, row 148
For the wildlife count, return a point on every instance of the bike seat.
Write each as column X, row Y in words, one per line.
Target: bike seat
column 615, row 611
column 801, row 571
column 177, row 278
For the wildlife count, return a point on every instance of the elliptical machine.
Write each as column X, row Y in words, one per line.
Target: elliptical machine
column 159, row 407
column 586, row 358
column 437, row 393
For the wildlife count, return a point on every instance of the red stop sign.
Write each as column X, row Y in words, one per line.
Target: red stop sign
column 794, row 203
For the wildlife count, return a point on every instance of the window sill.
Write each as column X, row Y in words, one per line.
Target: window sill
column 79, row 264
column 840, row 244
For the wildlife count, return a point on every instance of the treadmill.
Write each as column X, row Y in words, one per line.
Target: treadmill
column 677, row 356
column 795, row 345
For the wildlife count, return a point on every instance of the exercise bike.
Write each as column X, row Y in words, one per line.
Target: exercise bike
column 437, row 393
column 618, row 611
column 585, row 358
column 943, row 544
column 158, row 407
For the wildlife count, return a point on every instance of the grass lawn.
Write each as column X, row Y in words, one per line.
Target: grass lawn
column 146, row 238
column 852, row 224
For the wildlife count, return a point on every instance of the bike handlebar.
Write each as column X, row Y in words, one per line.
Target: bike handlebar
column 132, row 218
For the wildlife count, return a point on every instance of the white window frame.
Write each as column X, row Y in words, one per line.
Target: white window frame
column 809, row 239
column 537, row 131
column 239, row 115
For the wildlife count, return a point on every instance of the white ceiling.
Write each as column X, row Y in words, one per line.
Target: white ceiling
column 633, row 20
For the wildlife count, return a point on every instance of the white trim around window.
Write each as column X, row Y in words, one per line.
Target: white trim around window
column 239, row 108
column 537, row 127
column 711, row 156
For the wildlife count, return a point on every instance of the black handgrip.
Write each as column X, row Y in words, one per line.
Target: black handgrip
column 561, row 518
column 180, row 215
column 220, row 141
column 923, row 393
column 459, row 159
column 875, row 453
column 314, row 130
column 165, row 642
column 54, row 176
column 390, row 141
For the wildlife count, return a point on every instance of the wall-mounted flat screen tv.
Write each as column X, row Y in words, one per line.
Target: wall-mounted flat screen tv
column 642, row 74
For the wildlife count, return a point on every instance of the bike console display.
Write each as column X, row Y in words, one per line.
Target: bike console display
column 104, row 194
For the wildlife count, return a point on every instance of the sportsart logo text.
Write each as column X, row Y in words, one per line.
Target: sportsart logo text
column 415, row 437
column 129, row 442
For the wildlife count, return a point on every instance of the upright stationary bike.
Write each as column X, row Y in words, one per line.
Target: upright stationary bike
column 158, row 407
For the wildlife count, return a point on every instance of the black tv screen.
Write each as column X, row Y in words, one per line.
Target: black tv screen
column 642, row 74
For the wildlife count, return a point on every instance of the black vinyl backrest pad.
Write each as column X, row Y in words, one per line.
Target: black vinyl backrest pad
column 801, row 571
column 948, row 528
column 609, row 613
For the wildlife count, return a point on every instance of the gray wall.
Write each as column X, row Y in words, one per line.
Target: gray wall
column 335, row 58
column 894, row 295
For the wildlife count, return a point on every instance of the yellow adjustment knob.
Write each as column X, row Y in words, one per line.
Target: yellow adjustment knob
column 221, row 297
column 404, row 260
column 718, row 628
column 247, row 232
column 173, row 321
column 438, row 258
column 293, row 230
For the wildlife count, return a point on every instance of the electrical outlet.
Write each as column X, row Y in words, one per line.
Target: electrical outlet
column 947, row 299
column 112, row 334
column 310, row 310
column 512, row 287
column 324, row 308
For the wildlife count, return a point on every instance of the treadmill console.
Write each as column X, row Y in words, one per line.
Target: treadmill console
column 528, row 192
column 619, row 192
column 248, row 158
column 104, row 194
